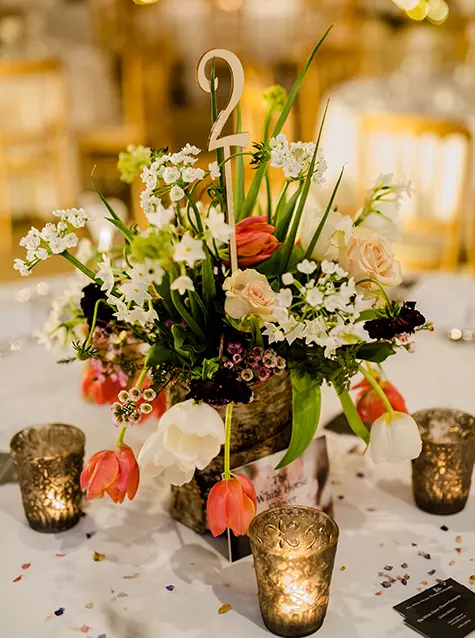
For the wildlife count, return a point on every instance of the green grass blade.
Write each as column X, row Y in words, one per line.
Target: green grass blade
column 285, row 218
column 318, row 232
column 353, row 417
column 296, row 87
column 185, row 315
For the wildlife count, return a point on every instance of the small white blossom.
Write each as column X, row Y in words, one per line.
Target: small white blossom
column 70, row 240
column 314, row 297
column 188, row 149
column 153, row 271
column 171, row 175
column 176, row 194
column 284, row 297
column 273, row 333
column 41, row 253
column 191, row 174
column 105, row 273
column 135, row 288
column 57, row 246
column 307, row 267
column 182, row 284
column 214, row 170
column 189, row 250
column 158, row 215
column 287, row 279
column 149, row 177
column 77, row 217
column 22, row 268
column 218, row 227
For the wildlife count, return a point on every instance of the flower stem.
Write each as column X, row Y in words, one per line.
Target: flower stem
column 123, row 429
column 120, row 438
column 368, row 375
column 77, row 264
column 141, row 378
column 227, row 442
column 94, row 321
column 372, row 281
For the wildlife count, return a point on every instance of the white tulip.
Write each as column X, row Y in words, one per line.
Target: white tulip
column 189, row 435
column 395, row 438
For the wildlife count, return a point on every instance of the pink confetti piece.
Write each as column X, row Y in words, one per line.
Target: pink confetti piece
column 48, row 618
column 378, row 593
column 132, row 576
column 60, row 555
column 458, row 539
column 26, row 565
column 85, row 629
column 17, row 579
column 452, row 562
column 458, row 549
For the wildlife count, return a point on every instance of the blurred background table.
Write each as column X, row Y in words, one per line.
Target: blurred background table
column 126, row 595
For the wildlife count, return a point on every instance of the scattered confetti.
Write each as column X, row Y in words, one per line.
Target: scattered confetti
column 122, row 594
column 371, row 509
column 340, row 497
column 378, row 593
column 427, row 556
column 385, row 584
column 424, row 582
column 224, row 608
column 404, row 566
column 419, row 589
column 60, row 555
column 432, row 572
column 414, row 544
column 444, row 528
column 169, row 587
column 98, row 557
column 381, row 544
column 48, row 618
column 452, row 562
column 458, row 539
column 85, row 629
column 89, row 606
column 388, row 568
column 59, row 612
column 458, row 549
column 360, row 474
column 90, row 534
column 17, row 579
column 102, row 636
column 472, row 579
column 132, row 576
column 404, row 581
column 26, row 565
column 439, row 580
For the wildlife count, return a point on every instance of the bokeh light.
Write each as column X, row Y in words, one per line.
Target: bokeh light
column 420, row 12
column 438, row 11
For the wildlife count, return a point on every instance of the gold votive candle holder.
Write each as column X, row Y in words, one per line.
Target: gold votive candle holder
column 294, row 551
column 49, row 460
column 442, row 474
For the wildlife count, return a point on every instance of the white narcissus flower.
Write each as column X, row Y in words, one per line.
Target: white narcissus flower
column 214, row 170
column 182, row 284
column 171, row 174
column 394, row 438
column 105, row 273
column 249, row 293
column 188, row 437
column 189, row 250
column 176, row 194
column 157, row 215
column 216, row 223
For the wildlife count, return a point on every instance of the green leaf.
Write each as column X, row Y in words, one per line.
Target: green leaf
column 252, row 195
column 116, row 220
column 290, row 241
column 296, row 87
column 368, row 315
column 208, row 283
column 376, row 352
column 353, row 417
column 318, row 232
column 165, row 294
column 239, row 192
column 183, row 312
column 306, row 405
column 189, row 351
column 285, row 217
column 158, row 355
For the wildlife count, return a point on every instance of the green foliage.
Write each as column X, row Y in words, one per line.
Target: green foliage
column 376, row 352
column 261, row 154
column 132, row 161
column 306, row 406
column 114, row 218
column 84, row 350
column 275, row 98
column 185, row 345
column 352, row 416
column 156, row 245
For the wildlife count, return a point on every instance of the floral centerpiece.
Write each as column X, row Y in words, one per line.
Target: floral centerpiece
column 307, row 298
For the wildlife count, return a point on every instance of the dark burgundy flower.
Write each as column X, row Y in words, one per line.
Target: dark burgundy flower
column 405, row 322
column 90, row 296
column 224, row 388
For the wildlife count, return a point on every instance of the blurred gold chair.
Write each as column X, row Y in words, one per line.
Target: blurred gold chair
column 33, row 137
column 436, row 155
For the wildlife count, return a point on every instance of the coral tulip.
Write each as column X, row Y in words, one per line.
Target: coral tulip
column 370, row 406
column 114, row 472
column 231, row 503
column 255, row 241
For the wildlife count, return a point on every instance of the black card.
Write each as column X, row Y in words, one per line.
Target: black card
column 446, row 610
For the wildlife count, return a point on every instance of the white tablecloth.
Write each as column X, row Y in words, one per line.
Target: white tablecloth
column 379, row 525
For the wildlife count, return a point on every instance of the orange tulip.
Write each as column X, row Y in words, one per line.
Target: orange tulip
column 368, row 403
column 255, row 241
column 231, row 503
column 114, row 472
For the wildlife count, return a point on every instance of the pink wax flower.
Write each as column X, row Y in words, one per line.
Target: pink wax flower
column 114, row 472
column 231, row 503
column 255, row 241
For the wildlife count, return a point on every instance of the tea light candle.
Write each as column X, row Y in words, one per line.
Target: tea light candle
column 294, row 551
column 49, row 460
column 442, row 474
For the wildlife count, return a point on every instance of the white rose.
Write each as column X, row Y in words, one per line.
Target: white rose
column 327, row 244
column 249, row 293
column 369, row 255
column 189, row 435
column 395, row 438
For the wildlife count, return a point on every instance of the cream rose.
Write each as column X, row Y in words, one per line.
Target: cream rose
column 249, row 293
column 369, row 255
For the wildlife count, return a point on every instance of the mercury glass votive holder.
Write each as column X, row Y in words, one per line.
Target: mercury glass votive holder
column 442, row 474
column 294, row 551
column 49, row 460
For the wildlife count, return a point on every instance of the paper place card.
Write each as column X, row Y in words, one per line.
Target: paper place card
column 306, row 481
column 446, row 610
